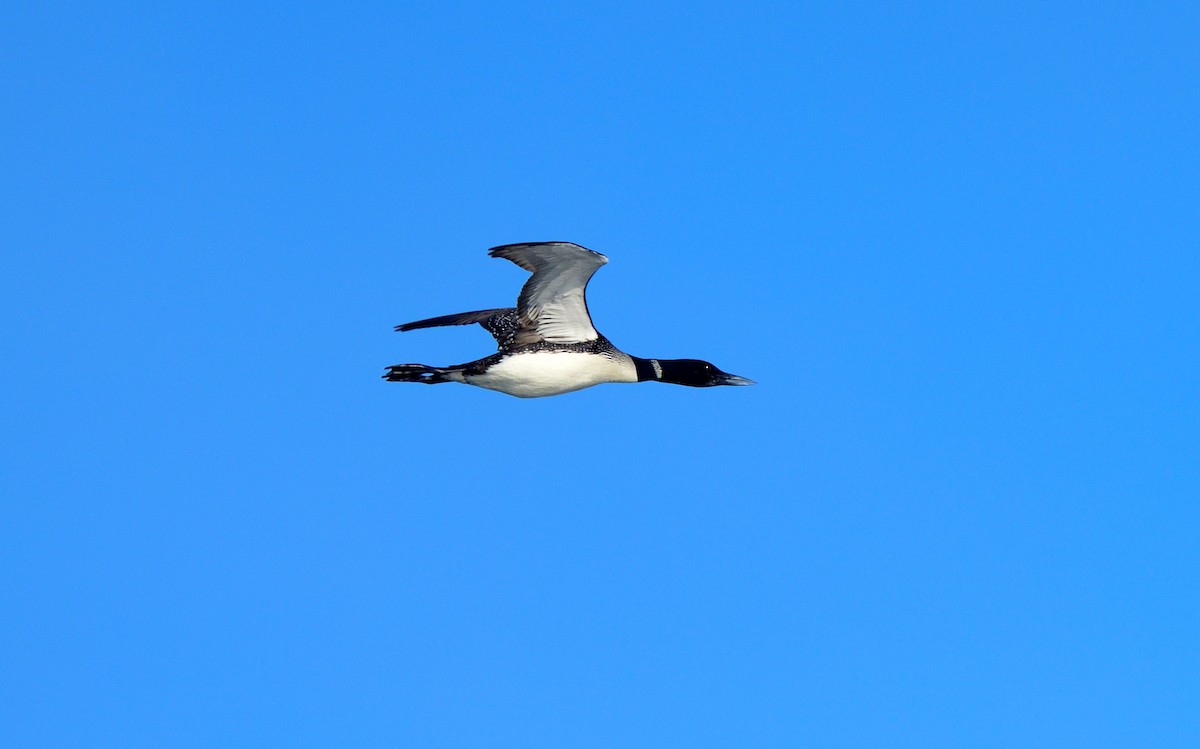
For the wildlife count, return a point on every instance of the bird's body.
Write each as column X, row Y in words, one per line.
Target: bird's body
column 552, row 371
column 547, row 343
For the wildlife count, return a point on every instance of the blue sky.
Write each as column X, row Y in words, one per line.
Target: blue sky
column 956, row 245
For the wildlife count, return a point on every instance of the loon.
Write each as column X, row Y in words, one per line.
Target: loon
column 547, row 343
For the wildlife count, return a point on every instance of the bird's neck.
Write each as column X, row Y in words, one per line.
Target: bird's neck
column 647, row 369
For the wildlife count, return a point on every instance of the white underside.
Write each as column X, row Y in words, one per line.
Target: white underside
column 543, row 373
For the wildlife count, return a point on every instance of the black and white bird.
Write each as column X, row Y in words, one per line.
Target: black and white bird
column 548, row 344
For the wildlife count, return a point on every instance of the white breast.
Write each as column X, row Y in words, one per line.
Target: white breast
column 542, row 373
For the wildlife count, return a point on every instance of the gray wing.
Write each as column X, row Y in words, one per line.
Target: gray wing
column 501, row 323
column 551, row 306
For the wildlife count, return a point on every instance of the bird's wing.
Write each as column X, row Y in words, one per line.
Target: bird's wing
column 551, row 306
column 501, row 323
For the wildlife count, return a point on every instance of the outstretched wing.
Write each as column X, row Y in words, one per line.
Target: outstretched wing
column 501, row 323
column 551, row 306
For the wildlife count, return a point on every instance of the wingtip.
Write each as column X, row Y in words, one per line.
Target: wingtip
column 505, row 250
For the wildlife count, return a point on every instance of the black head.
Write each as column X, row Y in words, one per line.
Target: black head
column 690, row 372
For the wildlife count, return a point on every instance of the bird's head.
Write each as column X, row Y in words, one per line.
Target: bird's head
column 693, row 373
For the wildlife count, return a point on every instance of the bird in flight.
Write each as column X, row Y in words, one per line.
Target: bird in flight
column 547, row 343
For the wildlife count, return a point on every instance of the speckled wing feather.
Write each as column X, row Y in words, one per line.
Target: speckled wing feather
column 502, row 323
column 552, row 306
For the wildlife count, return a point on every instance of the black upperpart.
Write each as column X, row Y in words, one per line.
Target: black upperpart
column 691, row 372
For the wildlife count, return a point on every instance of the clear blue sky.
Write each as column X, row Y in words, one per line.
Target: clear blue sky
column 957, row 245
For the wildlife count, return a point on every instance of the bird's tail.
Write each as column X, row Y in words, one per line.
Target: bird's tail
column 421, row 373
